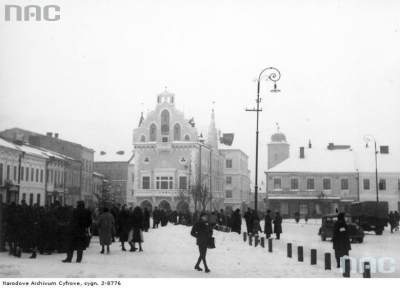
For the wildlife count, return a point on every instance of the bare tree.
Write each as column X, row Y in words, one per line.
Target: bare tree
column 201, row 196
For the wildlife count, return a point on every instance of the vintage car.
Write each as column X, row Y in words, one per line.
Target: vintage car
column 356, row 233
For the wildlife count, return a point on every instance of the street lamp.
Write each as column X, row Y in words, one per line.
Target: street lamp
column 368, row 139
column 273, row 74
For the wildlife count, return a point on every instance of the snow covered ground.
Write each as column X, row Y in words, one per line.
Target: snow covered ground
column 171, row 252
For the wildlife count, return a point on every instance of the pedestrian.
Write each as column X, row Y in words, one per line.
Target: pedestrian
column 156, row 217
column 137, row 229
column 248, row 218
column 268, row 224
column 341, row 239
column 78, row 238
column 392, row 221
column 146, row 219
column 124, row 226
column 278, row 225
column 203, row 233
column 106, row 226
column 297, row 217
column 236, row 225
column 397, row 219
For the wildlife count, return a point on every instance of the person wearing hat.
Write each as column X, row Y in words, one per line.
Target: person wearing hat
column 202, row 231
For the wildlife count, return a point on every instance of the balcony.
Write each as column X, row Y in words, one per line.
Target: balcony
column 160, row 192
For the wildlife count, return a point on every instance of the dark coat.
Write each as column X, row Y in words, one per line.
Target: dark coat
column 106, row 225
column 80, row 222
column 268, row 224
column 248, row 217
column 146, row 219
column 278, row 224
column 236, row 222
column 137, row 224
column 124, row 225
column 341, row 239
column 203, row 232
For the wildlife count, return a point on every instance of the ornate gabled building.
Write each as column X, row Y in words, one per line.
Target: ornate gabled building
column 171, row 157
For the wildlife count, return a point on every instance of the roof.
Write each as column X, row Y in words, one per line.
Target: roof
column 127, row 156
column 33, row 150
column 315, row 160
column 340, row 161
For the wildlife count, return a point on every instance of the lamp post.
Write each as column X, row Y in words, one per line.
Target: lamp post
column 367, row 139
column 273, row 74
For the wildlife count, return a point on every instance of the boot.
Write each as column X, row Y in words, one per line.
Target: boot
column 197, row 267
column 79, row 256
column 33, row 256
column 69, row 257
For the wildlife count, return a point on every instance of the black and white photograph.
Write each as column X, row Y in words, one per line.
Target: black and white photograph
column 199, row 139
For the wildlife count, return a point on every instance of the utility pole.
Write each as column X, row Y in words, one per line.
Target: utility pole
column 274, row 75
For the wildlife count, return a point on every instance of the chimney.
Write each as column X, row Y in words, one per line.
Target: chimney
column 384, row 149
column 309, row 144
column 56, row 135
column 49, row 134
column 301, row 152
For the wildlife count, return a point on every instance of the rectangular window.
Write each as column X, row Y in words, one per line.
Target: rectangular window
column 27, row 174
column 164, row 182
column 228, row 193
column 344, row 184
column 38, row 199
column 1, row 174
column 30, row 199
column 366, row 184
column 32, row 174
column 37, row 175
column 228, row 180
column 228, row 163
column 8, row 172
column 182, row 182
column 326, row 184
column 382, row 184
column 22, row 173
column 310, row 184
column 41, row 175
column 277, row 184
column 15, row 173
column 146, row 182
column 294, row 184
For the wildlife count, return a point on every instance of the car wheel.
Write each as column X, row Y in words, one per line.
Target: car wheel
column 361, row 240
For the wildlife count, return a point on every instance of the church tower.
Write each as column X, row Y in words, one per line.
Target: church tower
column 278, row 149
column 212, row 135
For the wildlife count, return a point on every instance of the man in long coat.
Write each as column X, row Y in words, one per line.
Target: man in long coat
column 236, row 221
column 106, row 226
column 341, row 239
column 278, row 225
column 248, row 218
column 124, row 226
column 77, row 232
column 268, row 224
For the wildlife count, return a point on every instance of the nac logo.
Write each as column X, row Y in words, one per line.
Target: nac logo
column 32, row 13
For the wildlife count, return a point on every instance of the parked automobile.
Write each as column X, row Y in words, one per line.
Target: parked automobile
column 356, row 233
column 370, row 215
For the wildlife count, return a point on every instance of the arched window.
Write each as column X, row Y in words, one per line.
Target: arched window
column 142, row 138
column 187, row 137
column 177, row 132
column 153, row 132
column 165, row 122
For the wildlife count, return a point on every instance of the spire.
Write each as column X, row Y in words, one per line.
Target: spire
column 141, row 120
column 212, row 136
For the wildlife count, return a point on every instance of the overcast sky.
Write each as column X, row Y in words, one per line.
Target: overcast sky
column 87, row 75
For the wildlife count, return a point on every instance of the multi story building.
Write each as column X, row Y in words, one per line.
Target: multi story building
column 116, row 168
column 78, row 168
column 321, row 181
column 237, row 178
column 171, row 157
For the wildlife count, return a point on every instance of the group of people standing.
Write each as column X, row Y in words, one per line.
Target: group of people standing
column 272, row 224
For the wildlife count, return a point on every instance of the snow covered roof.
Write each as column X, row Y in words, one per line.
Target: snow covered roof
column 339, row 161
column 33, row 150
column 113, row 156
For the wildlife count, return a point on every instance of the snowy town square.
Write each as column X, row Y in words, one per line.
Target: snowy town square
column 222, row 142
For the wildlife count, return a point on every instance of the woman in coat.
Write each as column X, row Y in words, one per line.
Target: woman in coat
column 268, row 224
column 341, row 239
column 124, row 226
column 106, row 226
column 278, row 225
column 236, row 221
column 137, row 219
column 202, row 231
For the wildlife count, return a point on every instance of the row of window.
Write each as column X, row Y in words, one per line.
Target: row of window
column 30, row 174
column 326, row 184
column 165, row 182
column 310, row 184
column 31, row 198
